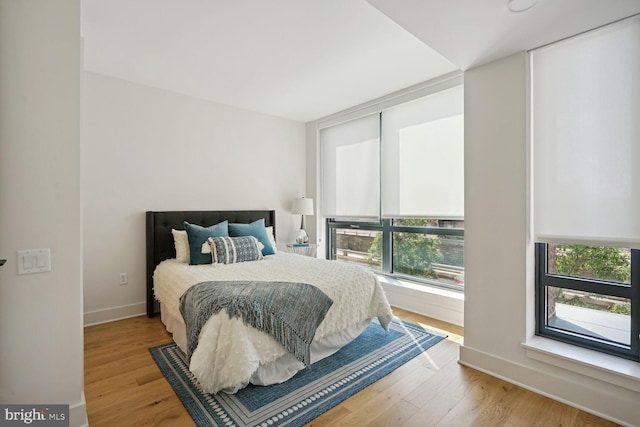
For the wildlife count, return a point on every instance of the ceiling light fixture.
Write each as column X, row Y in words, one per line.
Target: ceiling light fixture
column 520, row 5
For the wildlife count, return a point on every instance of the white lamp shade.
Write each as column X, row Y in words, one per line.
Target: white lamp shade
column 302, row 206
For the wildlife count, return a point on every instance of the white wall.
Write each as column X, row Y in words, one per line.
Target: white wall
column 495, row 205
column 498, row 256
column 148, row 149
column 313, row 223
column 41, row 336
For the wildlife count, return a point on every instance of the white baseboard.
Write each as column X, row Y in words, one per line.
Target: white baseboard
column 115, row 313
column 592, row 399
column 437, row 303
column 78, row 413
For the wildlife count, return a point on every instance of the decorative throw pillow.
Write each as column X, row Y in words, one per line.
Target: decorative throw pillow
column 230, row 250
column 197, row 235
column 181, row 242
column 255, row 229
column 272, row 238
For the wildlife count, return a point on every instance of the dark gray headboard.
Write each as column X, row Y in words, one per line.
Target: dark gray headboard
column 160, row 244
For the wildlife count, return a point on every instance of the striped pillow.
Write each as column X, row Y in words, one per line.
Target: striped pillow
column 229, row 250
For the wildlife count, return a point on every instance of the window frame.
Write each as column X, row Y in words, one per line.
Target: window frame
column 544, row 279
column 387, row 228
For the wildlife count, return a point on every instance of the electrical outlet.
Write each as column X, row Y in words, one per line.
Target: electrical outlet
column 124, row 278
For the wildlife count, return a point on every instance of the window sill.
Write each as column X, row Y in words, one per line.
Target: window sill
column 611, row 369
column 436, row 290
column 431, row 301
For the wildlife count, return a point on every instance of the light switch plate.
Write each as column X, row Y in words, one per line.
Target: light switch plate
column 34, row 261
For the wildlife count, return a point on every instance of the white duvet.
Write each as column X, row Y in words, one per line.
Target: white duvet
column 229, row 353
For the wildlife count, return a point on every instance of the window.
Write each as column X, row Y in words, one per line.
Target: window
column 427, row 251
column 585, row 296
column 586, row 188
column 393, row 187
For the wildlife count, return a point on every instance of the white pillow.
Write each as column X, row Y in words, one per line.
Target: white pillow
column 181, row 242
column 272, row 238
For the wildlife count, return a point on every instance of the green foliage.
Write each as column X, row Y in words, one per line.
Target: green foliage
column 621, row 309
column 375, row 251
column 582, row 300
column 593, row 262
column 413, row 253
column 577, row 302
column 416, row 222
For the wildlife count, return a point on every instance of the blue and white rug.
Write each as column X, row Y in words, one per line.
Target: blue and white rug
column 311, row 392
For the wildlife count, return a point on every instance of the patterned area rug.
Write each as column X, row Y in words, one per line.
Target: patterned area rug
column 311, row 392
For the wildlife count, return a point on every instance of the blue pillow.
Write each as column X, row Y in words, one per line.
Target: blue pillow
column 255, row 229
column 198, row 235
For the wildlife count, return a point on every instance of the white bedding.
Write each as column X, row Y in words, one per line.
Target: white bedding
column 230, row 354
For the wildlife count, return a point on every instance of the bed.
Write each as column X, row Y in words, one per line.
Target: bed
column 229, row 353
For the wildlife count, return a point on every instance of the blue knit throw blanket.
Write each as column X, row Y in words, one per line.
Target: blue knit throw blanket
column 289, row 312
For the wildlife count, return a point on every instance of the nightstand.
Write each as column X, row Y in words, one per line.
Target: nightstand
column 306, row 249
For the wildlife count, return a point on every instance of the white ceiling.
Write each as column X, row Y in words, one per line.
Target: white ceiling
column 306, row 59
column 473, row 32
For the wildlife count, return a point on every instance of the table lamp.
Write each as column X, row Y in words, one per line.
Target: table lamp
column 302, row 206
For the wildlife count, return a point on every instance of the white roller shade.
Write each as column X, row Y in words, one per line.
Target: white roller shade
column 586, row 137
column 350, row 159
column 423, row 157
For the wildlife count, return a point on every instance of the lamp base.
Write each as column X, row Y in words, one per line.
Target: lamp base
column 302, row 236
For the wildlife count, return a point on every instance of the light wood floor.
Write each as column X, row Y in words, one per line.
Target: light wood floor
column 124, row 387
